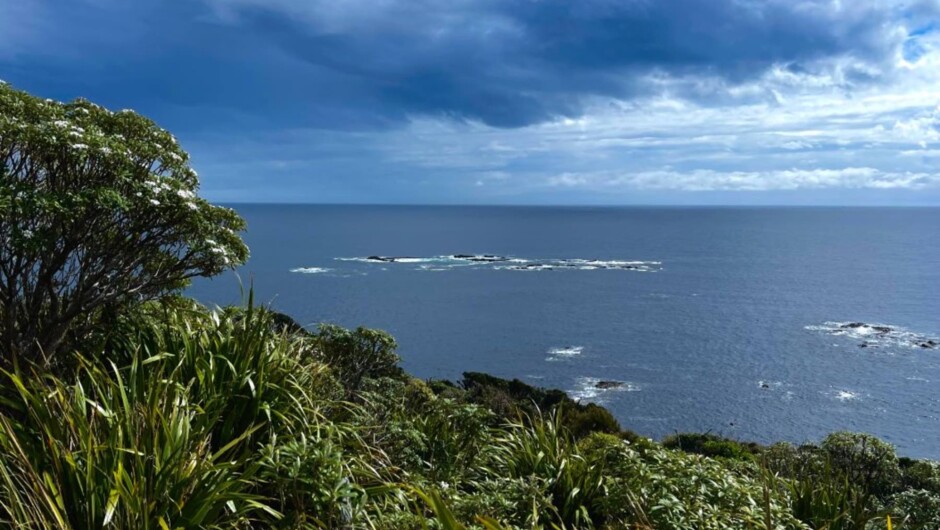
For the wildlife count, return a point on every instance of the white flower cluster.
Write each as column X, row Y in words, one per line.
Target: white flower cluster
column 188, row 196
column 157, row 186
column 74, row 131
column 217, row 249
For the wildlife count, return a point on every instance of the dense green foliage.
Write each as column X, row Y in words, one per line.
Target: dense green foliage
column 515, row 399
column 190, row 418
column 708, row 444
column 98, row 211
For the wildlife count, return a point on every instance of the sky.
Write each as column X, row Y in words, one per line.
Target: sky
column 588, row 102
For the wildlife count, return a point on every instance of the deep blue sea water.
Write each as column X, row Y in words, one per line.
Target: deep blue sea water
column 736, row 330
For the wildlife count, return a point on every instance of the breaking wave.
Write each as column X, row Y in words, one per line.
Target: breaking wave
column 878, row 335
column 778, row 388
column 845, row 395
column 437, row 263
column 597, row 390
column 311, row 270
column 567, row 351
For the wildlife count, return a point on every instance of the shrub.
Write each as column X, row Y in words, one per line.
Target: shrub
column 582, row 420
column 357, row 354
column 515, row 391
column 916, row 510
column 710, row 445
column 239, row 370
column 658, row 488
column 97, row 212
column 98, row 453
column 866, row 461
column 542, row 450
column 517, row 502
column 212, row 420
column 310, row 481
column 679, row 490
column 512, row 399
column 382, row 419
column 455, row 438
column 920, row 475
column 827, row 499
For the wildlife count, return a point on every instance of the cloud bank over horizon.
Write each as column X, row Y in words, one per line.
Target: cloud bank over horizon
column 513, row 101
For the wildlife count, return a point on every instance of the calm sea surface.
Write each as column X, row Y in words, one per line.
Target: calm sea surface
column 740, row 321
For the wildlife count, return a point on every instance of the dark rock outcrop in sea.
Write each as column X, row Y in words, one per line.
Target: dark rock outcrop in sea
column 388, row 259
column 878, row 329
column 484, row 258
column 499, row 262
column 879, row 336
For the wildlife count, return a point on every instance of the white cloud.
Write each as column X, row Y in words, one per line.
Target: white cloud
column 816, row 135
column 712, row 180
column 856, row 121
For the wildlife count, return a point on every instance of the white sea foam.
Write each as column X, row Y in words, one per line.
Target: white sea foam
column 613, row 263
column 567, row 351
column 587, row 390
column 528, row 267
column 498, row 262
column 388, row 259
column 878, row 335
column 776, row 388
column 845, row 395
column 311, row 270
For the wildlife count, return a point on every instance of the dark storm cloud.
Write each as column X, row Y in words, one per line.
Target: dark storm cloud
column 517, row 62
column 367, row 64
column 511, row 101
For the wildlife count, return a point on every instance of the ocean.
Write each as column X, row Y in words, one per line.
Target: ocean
column 763, row 324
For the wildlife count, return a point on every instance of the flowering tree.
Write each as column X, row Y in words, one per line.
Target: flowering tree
column 98, row 209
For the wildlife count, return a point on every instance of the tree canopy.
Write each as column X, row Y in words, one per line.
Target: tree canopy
column 98, row 209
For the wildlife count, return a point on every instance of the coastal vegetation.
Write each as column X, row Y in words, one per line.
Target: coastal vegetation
column 125, row 405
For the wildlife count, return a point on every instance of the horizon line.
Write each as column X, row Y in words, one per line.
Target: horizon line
column 549, row 205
